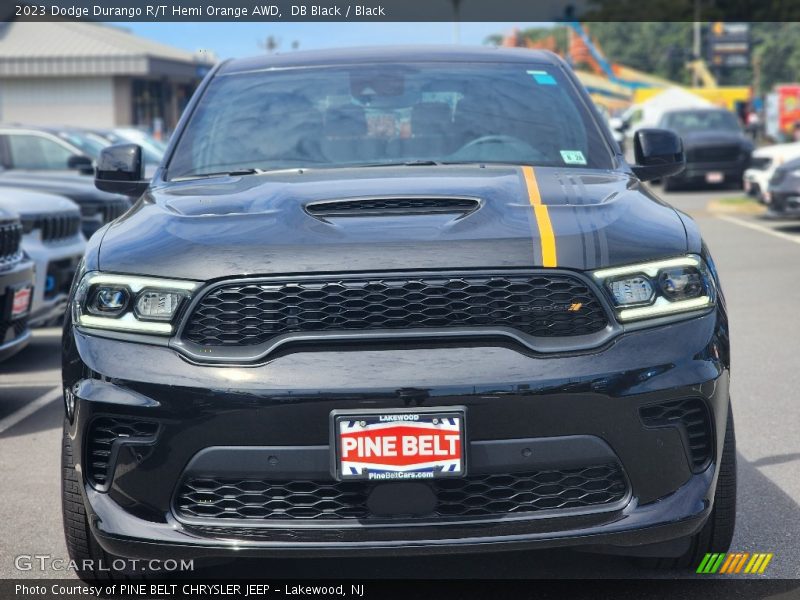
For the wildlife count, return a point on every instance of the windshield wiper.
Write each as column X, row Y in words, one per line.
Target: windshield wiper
column 232, row 173
column 409, row 163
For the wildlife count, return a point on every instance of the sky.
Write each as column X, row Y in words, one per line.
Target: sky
column 228, row 40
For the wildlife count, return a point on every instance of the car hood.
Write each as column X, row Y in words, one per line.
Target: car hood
column 260, row 225
column 26, row 202
column 712, row 138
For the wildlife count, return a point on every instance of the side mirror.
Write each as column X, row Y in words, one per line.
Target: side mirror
column 120, row 170
column 658, row 153
column 80, row 163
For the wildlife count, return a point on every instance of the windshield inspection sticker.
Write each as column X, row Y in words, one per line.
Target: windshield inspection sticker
column 573, row 157
column 542, row 77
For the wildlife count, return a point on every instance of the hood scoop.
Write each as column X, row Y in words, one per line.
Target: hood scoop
column 384, row 207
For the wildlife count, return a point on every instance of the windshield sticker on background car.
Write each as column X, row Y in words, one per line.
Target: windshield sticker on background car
column 573, row 157
column 542, row 77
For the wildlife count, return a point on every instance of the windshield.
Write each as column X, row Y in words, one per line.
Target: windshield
column 85, row 143
column 701, row 120
column 389, row 114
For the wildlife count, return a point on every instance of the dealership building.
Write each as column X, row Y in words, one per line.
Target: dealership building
column 87, row 74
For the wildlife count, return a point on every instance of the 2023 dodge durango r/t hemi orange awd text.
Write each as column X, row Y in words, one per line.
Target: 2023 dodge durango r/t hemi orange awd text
column 392, row 301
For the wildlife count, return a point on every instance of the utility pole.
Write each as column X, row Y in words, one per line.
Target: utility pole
column 697, row 42
column 456, row 22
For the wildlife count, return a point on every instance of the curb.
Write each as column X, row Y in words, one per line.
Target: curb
column 739, row 208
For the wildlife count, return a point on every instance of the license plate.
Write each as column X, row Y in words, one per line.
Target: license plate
column 387, row 445
column 715, row 177
column 21, row 302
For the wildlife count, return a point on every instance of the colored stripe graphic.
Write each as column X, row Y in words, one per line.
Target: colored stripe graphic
column 758, row 564
column 734, row 562
column 711, row 563
column 729, row 562
column 542, row 214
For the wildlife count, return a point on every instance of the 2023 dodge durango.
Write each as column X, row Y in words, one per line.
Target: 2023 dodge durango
column 393, row 301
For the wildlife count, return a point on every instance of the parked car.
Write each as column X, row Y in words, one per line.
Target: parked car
column 763, row 163
column 52, row 238
column 36, row 149
column 396, row 301
column 784, row 189
column 16, row 287
column 97, row 208
column 717, row 150
column 152, row 149
column 92, row 141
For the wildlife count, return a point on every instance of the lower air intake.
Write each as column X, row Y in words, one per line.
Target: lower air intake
column 474, row 496
column 692, row 417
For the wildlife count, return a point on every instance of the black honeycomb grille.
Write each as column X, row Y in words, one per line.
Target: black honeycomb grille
column 378, row 206
column 691, row 415
column 473, row 496
column 103, row 433
column 247, row 314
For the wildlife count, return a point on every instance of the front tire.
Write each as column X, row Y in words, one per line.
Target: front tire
column 81, row 543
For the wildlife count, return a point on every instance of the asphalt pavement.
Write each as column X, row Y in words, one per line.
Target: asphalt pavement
column 758, row 261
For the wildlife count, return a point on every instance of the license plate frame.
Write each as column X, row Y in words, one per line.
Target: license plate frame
column 396, row 423
column 17, row 295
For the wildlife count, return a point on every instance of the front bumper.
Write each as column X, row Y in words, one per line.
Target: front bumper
column 697, row 171
column 246, row 422
column 785, row 198
column 14, row 333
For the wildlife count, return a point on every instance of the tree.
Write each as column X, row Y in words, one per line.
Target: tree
column 663, row 48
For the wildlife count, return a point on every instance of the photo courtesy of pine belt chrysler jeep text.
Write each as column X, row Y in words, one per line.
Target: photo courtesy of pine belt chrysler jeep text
column 393, row 301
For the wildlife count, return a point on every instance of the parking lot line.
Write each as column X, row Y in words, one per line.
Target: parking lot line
column 30, row 408
column 761, row 228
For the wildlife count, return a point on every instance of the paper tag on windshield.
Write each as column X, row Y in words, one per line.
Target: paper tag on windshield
column 573, row 157
column 542, row 77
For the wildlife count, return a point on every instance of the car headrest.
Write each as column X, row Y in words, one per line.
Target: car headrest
column 347, row 120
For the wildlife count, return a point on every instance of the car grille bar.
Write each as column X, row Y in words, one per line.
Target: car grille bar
column 55, row 227
column 488, row 495
column 10, row 240
column 250, row 313
column 713, row 154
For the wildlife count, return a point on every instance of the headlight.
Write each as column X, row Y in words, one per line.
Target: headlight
column 658, row 288
column 133, row 304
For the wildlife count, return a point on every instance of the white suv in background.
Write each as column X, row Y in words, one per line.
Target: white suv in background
column 52, row 238
column 763, row 163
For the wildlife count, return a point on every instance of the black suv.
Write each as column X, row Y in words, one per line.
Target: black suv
column 717, row 150
column 396, row 301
